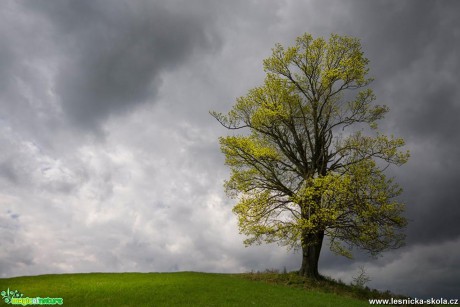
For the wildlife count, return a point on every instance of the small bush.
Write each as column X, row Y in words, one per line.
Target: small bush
column 361, row 279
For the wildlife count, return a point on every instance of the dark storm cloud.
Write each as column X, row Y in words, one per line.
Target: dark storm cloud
column 414, row 47
column 431, row 193
column 399, row 32
column 113, row 53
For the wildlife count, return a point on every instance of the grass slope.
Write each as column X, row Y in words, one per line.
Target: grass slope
column 169, row 289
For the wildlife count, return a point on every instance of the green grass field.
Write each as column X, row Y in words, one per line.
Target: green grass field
column 171, row 289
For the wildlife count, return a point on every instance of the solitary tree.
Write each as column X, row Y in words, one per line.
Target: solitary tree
column 312, row 162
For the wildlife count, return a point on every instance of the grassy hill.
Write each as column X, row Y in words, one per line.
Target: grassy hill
column 181, row 289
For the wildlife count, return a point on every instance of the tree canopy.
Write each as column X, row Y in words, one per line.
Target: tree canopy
column 310, row 161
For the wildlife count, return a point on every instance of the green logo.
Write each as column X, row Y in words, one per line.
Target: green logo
column 14, row 297
column 8, row 295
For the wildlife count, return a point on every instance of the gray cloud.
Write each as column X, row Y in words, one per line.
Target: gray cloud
column 111, row 57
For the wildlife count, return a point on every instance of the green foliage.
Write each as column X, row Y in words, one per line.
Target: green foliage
column 307, row 166
column 361, row 279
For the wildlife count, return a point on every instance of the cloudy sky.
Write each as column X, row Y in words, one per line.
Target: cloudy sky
column 109, row 158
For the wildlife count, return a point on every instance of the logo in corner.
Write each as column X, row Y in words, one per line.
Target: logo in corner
column 14, row 297
column 8, row 295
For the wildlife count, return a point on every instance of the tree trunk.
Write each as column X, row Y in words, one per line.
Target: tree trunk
column 311, row 249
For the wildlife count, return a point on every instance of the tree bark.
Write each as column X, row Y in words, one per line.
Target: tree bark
column 311, row 249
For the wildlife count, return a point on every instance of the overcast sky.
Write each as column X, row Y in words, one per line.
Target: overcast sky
column 109, row 158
